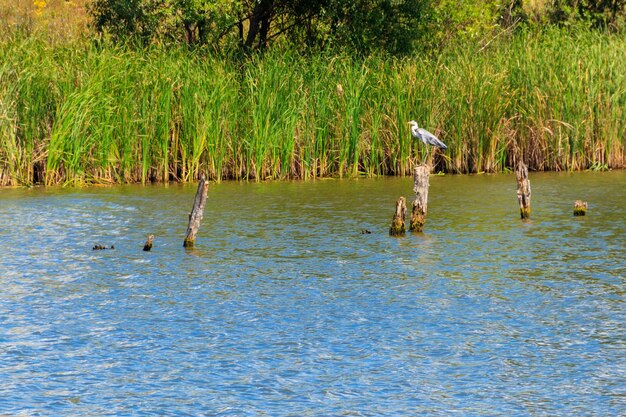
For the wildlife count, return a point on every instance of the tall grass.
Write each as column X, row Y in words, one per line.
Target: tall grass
column 78, row 113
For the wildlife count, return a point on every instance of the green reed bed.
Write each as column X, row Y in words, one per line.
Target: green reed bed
column 77, row 113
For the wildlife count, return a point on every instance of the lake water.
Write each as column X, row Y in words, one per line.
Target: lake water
column 284, row 308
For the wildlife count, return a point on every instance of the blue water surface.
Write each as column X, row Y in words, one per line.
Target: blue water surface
column 284, row 308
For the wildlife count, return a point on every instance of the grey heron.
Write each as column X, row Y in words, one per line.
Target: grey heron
column 426, row 137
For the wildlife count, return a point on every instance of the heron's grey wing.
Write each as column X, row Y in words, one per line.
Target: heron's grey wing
column 431, row 139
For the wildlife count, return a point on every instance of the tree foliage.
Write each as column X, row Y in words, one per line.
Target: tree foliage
column 450, row 20
column 191, row 21
column 599, row 14
column 360, row 26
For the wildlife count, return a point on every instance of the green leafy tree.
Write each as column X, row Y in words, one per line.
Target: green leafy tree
column 361, row 25
column 454, row 20
column 192, row 21
column 395, row 26
column 597, row 13
column 127, row 18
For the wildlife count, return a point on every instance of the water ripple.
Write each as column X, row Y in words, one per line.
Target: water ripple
column 284, row 308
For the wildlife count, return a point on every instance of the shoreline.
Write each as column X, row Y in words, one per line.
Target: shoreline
column 105, row 183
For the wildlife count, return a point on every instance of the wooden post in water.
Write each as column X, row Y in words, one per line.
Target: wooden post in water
column 523, row 190
column 421, row 179
column 580, row 208
column 195, row 217
column 148, row 244
column 397, row 224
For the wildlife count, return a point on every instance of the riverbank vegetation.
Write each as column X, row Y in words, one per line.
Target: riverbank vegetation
column 77, row 111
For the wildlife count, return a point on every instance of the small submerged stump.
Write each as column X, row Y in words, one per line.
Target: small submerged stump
column 195, row 217
column 421, row 179
column 102, row 247
column 148, row 244
column 397, row 224
column 580, row 208
column 523, row 190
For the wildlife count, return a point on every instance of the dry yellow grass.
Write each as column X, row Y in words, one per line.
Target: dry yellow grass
column 58, row 19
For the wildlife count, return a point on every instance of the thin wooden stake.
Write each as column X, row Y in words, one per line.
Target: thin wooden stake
column 421, row 180
column 580, row 208
column 397, row 224
column 195, row 217
column 523, row 190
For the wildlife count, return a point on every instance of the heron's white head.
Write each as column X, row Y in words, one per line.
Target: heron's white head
column 413, row 123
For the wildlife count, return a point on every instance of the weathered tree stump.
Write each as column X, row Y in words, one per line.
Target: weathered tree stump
column 421, row 179
column 397, row 224
column 580, row 208
column 148, row 244
column 195, row 217
column 523, row 190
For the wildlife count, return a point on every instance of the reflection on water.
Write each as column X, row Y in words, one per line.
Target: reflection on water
column 284, row 308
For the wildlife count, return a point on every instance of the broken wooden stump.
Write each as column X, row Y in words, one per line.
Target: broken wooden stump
column 397, row 224
column 523, row 190
column 195, row 217
column 421, row 178
column 148, row 244
column 580, row 208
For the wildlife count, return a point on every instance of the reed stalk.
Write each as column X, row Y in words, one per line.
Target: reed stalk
column 78, row 113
